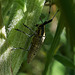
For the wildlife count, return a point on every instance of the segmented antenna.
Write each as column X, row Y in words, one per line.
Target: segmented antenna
column 46, row 22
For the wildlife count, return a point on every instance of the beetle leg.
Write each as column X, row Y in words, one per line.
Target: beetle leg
column 21, row 48
column 18, row 48
column 23, row 32
column 28, row 28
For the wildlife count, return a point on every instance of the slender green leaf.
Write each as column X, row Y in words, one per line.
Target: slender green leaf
column 67, row 9
column 54, row 45
column 65, row 61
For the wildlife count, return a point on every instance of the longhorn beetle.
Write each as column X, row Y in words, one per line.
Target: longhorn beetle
column 38, row 39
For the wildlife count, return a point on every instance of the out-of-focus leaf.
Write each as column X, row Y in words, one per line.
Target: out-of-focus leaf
column 65, row 61
column 54, row 44
column 21, row 73
column 66, row 8
column 2, row 36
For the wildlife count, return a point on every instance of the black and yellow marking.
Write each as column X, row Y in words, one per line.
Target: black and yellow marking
column 36, row 43
column 37, row 40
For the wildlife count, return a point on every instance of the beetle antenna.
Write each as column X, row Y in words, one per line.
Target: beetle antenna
column 46, row 22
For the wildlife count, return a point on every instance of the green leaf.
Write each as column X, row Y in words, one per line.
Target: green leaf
column 67, row 20
column 67, row 9
column 65, row 61
column 1, row 20
column 54, row 44
column 27, row 13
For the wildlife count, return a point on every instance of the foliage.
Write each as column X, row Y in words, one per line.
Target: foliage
column 56, row 56
column 15, row 13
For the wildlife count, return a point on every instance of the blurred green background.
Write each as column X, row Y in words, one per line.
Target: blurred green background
column 63, row 61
